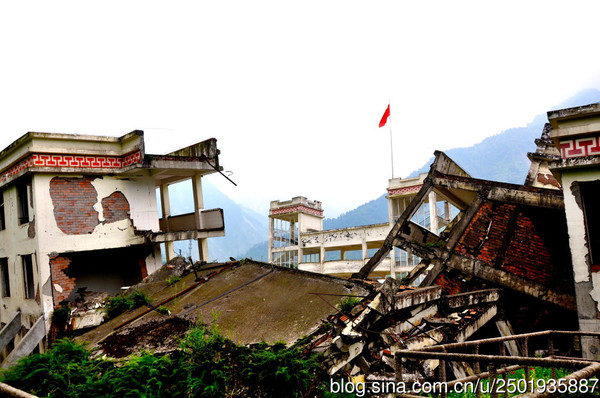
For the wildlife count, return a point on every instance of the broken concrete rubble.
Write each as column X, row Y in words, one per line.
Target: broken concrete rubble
column 505, row 236
column 401, row 317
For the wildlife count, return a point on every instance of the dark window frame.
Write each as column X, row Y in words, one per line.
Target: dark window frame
column 5, row 276
column 2, row 212
column 590, row 198
column 23, row 197
column 28, row 277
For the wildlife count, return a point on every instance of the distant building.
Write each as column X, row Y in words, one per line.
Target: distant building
column 79, row 214
column 297, row 238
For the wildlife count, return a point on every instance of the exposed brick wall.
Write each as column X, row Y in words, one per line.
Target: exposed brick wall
column 58, row 268
column 526, row 241
column 115, row 207
column 451, row 284
column 73, row 200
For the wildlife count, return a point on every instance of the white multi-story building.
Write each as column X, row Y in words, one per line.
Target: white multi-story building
column 297, row 238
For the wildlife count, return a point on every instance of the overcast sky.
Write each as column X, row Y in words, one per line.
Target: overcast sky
column 294, row 91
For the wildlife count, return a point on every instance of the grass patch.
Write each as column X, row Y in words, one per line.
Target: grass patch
column 348, row 303
column 116, row 305
column 173, row 279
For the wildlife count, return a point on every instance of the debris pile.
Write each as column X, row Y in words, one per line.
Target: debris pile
column 399, row 317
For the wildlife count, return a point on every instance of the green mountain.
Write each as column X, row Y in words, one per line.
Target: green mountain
column 373, row 212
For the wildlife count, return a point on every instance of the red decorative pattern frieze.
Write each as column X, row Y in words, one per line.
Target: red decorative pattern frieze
column 72, row 161
column 404, row 190
column 580, row 147
column 296, row 209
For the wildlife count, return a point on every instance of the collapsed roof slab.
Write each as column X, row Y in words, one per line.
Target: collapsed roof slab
column 251, row 302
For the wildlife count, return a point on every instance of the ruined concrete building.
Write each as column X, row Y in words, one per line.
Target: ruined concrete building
column 79, row 214
column 576, row 133
column 297, row 238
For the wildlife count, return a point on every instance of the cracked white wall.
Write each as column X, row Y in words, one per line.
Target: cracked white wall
column 577, row 231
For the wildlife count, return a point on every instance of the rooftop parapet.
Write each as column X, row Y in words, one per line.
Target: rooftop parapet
column 405, row 186
column 297, row 204
column 576, row 131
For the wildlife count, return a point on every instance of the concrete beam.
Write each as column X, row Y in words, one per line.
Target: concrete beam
column 537, row 199
column 472, row 298
column 505, row 329
column 27, row 343
column 415, row 272
column 388, row 243
column 10, row 330
column 506, row 279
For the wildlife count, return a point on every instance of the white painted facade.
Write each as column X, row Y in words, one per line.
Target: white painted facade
column 576, row 134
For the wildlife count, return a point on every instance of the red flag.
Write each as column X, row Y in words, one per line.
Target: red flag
column 385, row 116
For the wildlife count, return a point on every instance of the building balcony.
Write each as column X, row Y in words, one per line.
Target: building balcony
column 344, row 267
column 207, row 224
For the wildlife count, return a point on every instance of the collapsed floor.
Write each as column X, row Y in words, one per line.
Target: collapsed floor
column 402, row 317
column 250, row 302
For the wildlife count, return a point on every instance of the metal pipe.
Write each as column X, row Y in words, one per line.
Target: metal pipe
column 443, row 379
column 497, row 359
column 506, row 338
column 9, row 391
column 526, row 353
column 483, row 375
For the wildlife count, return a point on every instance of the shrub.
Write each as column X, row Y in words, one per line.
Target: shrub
column 208, row 365
column 60, row 372
column 119, row 304
column 173, row 279
column 348, row 303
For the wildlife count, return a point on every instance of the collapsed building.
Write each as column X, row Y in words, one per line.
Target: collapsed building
column 519, row 257
column 500, row 266
column 79, row 215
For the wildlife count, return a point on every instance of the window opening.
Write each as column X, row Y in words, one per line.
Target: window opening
column 28, row 276
column 5, row 277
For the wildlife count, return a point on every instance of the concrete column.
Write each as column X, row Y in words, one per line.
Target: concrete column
column 299, row 238
column 433, row 221
column 364, row 252
column 203, row 250
column 271, row 229
column 393, row 262
column 198, row 200
column 198, row 207
column 165, row 204
column 322, row 259
column 391, row 211
column 292, row 233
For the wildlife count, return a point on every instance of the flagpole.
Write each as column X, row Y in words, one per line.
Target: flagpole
column 391, row 142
